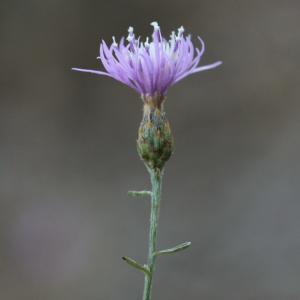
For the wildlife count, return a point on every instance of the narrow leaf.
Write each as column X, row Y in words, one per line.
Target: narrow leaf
column 177, row 248
column 139, row 193
column 136, row 265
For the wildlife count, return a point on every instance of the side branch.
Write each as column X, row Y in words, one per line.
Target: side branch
column 136, row 265
column 175, row 249
column 139, row 193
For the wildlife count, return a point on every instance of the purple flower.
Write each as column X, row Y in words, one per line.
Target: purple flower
column 151, row 68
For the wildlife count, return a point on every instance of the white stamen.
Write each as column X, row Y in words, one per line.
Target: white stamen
column 130, row 38
column 147, row 45
column 179, row 35
column 130, row 29
column 155, row 25
column 114, row 42
column 180, row 30
column 172, row 35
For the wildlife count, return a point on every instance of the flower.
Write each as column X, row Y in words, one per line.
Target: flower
column 151, row 68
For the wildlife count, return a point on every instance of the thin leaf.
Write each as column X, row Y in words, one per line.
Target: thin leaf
column 136, row 265
column 175, row 249
column 139, row 193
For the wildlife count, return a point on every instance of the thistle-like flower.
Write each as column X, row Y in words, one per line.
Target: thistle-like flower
column 151, row 68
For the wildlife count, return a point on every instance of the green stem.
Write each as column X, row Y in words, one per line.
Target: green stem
column 156, row 180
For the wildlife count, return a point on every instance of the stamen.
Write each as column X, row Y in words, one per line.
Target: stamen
column 156, row 32
column 130, row 36
column 130, row 29
column 114, row 42
column 155, row 26
column 147, row 45
column 180, row 32
column 172, row 35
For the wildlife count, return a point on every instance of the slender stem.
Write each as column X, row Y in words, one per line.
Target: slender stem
column 156, row 180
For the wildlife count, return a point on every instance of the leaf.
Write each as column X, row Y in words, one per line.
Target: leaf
column 139, row 193
column 177, row 248
column 136, row 265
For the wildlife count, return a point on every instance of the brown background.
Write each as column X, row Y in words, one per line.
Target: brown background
column 68, row 154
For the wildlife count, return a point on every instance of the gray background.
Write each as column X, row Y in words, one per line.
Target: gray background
column 68, row 154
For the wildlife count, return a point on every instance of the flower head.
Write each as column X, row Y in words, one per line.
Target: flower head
column 151, row 67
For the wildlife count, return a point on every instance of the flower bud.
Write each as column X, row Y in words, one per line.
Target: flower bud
column 155, row 141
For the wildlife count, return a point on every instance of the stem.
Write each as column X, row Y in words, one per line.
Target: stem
column 156, row 180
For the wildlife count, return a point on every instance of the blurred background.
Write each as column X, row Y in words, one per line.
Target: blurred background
column 68, row 154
